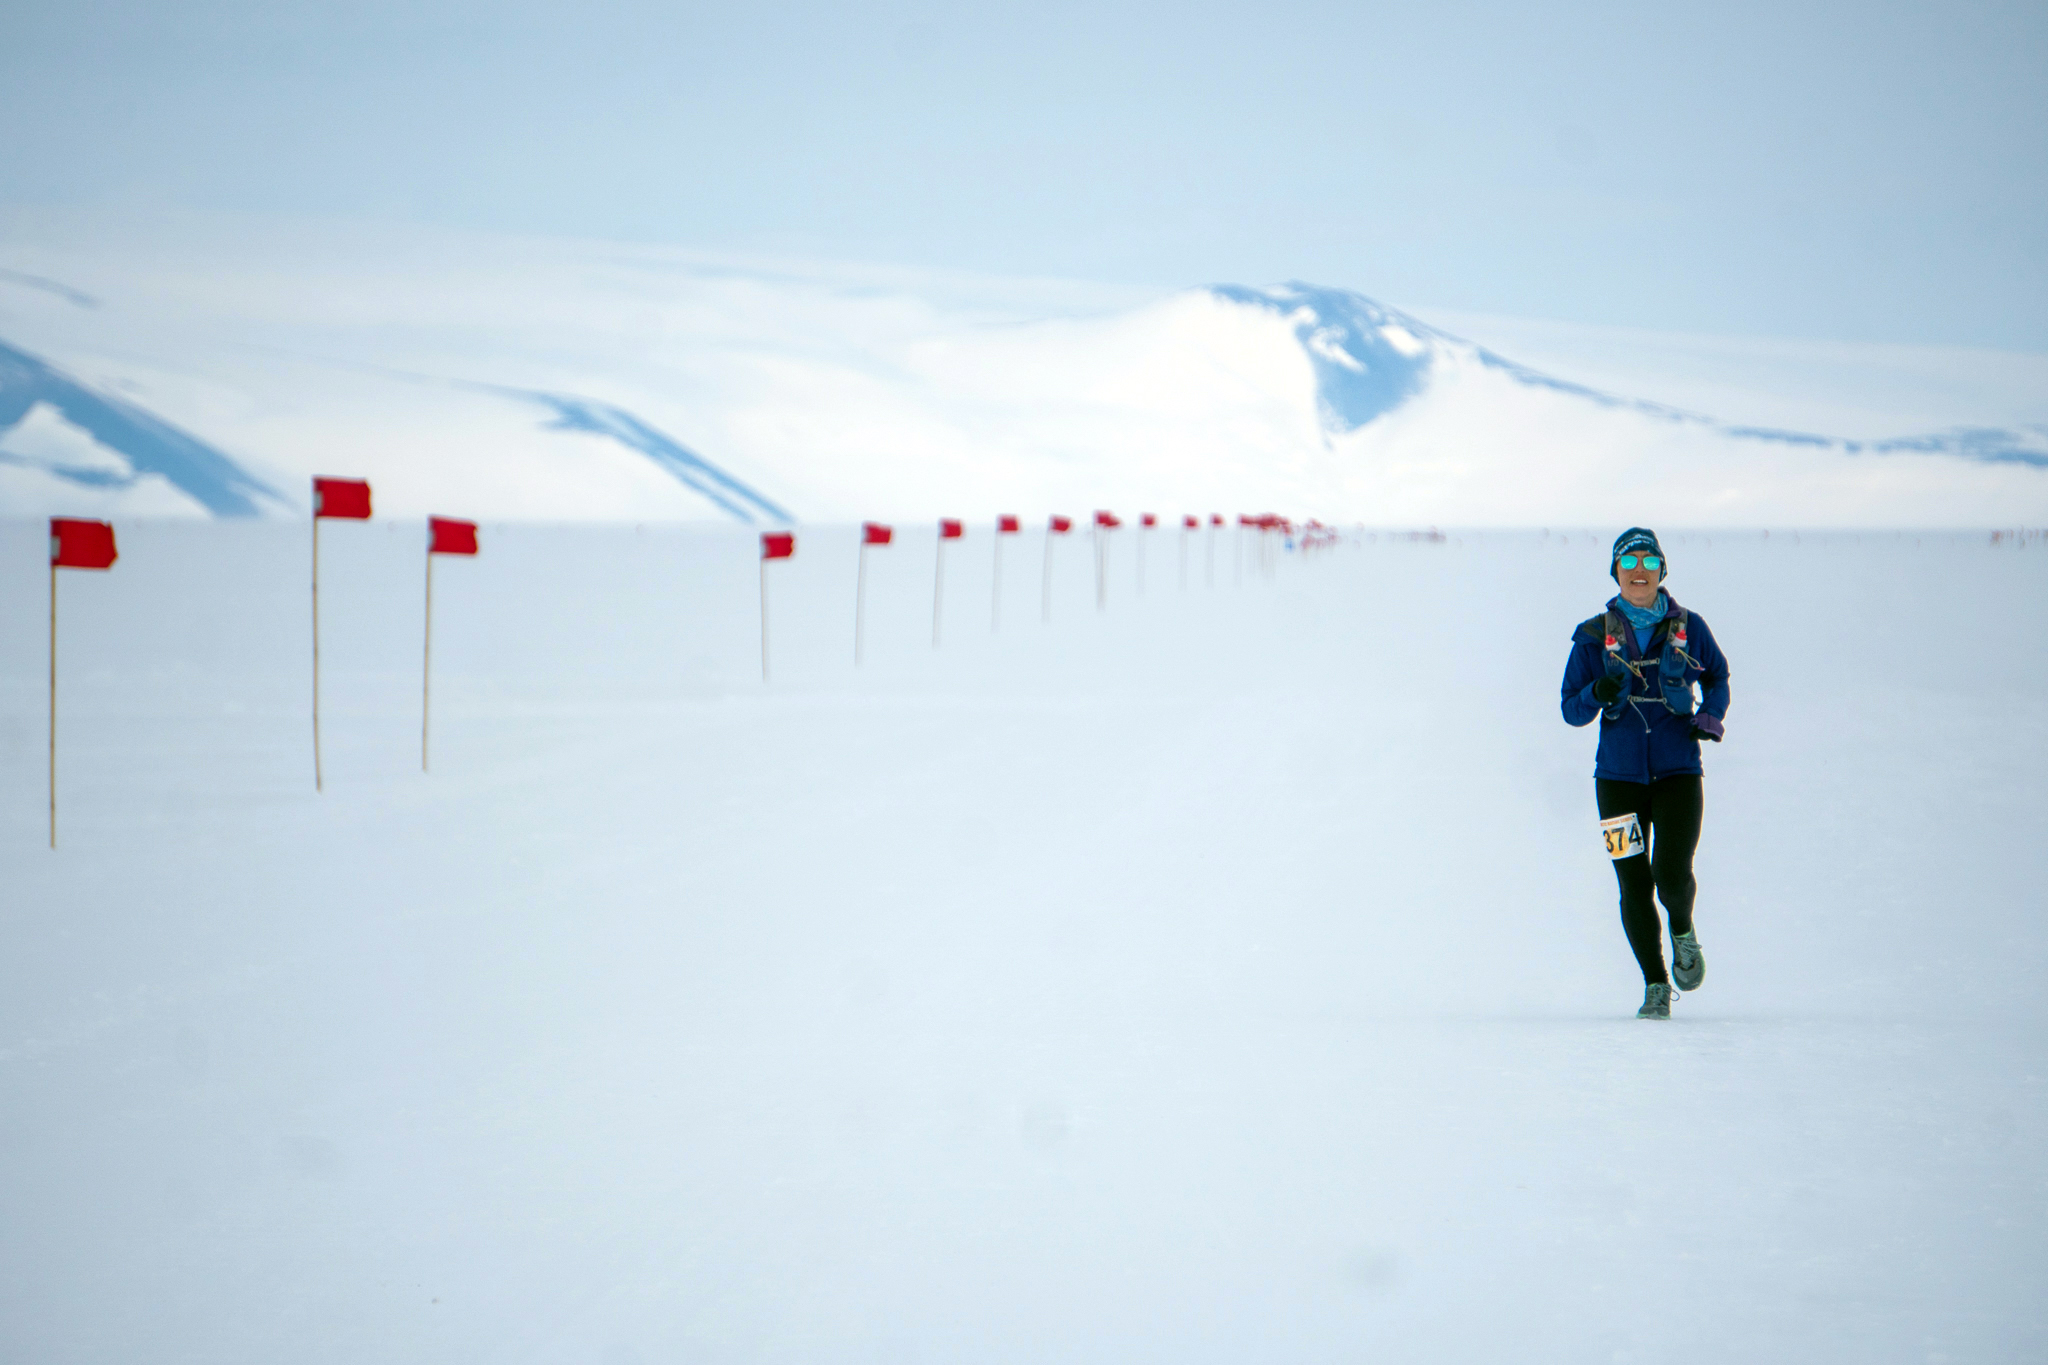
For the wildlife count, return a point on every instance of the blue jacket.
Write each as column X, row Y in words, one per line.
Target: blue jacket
column 1646, row 741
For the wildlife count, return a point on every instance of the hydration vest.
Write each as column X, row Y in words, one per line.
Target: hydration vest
column 1673, row 689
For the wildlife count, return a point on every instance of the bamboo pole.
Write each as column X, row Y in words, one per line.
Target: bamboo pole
column 1045, row 604
column 995, row 604
column 860, row 597
column 53, row 700
column 764, row 619
column 1101, row 587
column 427, row 661
column 938, row 585
column 316, row 646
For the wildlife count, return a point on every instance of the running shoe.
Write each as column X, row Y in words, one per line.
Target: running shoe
column 1656, row 1002
column 1688, row 966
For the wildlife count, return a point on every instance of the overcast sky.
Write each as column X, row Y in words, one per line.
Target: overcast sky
column 1875, row 171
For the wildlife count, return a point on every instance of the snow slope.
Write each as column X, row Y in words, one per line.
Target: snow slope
column 1228, row 975
column 562, row 380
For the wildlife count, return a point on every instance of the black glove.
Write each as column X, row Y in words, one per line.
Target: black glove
column 1606, row 688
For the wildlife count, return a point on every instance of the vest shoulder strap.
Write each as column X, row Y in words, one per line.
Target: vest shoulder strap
column 1594, row 628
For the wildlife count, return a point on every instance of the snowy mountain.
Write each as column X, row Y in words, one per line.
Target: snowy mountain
column 569, row 381
column 1370, row 359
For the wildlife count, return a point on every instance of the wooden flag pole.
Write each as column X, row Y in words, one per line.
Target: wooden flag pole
column 1183, row 557
column 1212, row 554
column 860, row 596
column 764, row 618
column 316, row 644
column 53, row 701
column 938, row 585
column 1139, row 535
column 427, row 659
column 995, row 603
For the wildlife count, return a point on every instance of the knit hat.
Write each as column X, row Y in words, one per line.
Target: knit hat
column 1637, row 540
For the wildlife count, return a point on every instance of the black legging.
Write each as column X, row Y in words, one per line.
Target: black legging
column 1669, row 809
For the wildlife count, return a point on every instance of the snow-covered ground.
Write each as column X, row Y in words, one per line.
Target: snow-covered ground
column 213, row 365
column 1231, row 975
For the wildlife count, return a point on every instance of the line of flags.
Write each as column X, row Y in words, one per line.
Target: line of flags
column 79, row 543
column 875, row 534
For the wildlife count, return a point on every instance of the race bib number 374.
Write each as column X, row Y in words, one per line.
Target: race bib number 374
column 1624, row 836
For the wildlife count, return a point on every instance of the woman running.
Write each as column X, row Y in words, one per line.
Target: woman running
column 1634, row 666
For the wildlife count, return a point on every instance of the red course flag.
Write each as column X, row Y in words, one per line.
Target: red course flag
column 1148, row 520
column 74, row 544
column 1006, row 526
column 1059, row 526
column 874, row 533
column 1189, row 523
column 345, row 498
column 77, row 544
column 1215, row 519
column 778, row 544
column 451, row 537
column 1107, row 520
column 950, row 529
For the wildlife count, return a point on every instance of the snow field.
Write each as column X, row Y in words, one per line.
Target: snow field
column 1216, row 977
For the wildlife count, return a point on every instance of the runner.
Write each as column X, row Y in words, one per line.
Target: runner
column 1634, row 666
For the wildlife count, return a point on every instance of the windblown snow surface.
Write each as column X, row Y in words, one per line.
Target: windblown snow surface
column 1230, row 975
column 577, row 381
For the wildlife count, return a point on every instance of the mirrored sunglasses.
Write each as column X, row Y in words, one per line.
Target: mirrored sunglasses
column 1650, row 562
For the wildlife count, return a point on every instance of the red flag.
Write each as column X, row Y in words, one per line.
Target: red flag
column 950, row 529
column 778, row 544
column 1107, row 519
column 1188, row 523
column 347, row 498
column 874, row 533
column 1215, row 519
column 1148, row 520
column 77, row 544
column 1060, row 525
column 447, row 536
column 1006, row 526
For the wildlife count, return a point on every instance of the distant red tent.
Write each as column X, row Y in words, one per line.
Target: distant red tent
column 447, row 536
column 874, row 533
column 78, row 544
column 1006, row 526
column 348, row 499
column 778, row 544
column 950, row 529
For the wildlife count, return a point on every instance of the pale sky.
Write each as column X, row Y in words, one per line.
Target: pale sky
column 1867, row 172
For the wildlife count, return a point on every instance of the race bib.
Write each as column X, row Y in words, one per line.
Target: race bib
column 1624, row 836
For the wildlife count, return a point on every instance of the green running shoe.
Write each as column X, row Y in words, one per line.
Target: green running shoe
column 1656, row 1002
column 1688, row 967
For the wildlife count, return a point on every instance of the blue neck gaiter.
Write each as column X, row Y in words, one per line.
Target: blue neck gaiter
column 1643, row 618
